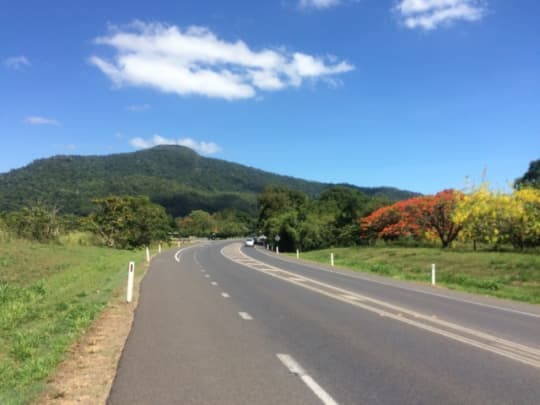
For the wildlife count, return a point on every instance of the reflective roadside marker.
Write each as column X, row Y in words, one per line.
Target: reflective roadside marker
column 131, row 278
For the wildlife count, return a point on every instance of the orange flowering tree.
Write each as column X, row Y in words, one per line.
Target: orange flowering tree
column 420, row 218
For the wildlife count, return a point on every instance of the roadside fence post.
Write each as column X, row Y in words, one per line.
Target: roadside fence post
column 131, row 278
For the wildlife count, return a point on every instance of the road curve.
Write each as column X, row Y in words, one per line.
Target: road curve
column 221, row 323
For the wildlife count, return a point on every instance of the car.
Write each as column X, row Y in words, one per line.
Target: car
column 250, row 242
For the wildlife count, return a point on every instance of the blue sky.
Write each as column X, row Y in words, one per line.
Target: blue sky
column 416, row 94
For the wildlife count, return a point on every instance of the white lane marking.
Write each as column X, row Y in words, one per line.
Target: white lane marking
column 225, row 295
column 213, row 283
column 296, row 369
column 359, row 277
column 178, row 255
column 245, row 316
column 203, row 271
column 207, row 275
column 527, row 355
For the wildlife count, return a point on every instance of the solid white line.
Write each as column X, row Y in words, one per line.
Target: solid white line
column 296, row 369
column 178, row 254
column 467, row 301
column 225, row 295
column 245, row 315
column 526, row 355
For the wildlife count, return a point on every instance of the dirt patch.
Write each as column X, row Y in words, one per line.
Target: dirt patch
column 87, row 374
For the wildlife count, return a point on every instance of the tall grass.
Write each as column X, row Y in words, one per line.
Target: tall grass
column 510, row 275
column 49, row 294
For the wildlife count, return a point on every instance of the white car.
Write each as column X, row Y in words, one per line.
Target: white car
column 250, row 242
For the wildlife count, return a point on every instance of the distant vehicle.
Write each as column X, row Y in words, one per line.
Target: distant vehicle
column 250, row 242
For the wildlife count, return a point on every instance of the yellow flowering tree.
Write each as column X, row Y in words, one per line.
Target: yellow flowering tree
column 496, row 218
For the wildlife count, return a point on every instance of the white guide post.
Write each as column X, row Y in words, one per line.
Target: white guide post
column 297, row 254
column 159, row 248
column 332, row 259
column 433, row 274
column 147, row 254
column 131, row 279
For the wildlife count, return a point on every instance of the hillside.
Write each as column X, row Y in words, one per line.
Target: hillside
column 174, row 176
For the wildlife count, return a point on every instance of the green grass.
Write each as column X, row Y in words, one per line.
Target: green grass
column 502, row 274
column 49, row 295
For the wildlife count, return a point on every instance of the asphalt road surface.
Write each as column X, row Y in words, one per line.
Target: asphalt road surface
column 221, row 323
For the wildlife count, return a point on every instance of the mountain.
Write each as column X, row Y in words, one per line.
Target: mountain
column 173, row 176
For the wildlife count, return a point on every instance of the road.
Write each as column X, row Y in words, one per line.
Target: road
column 220, row 323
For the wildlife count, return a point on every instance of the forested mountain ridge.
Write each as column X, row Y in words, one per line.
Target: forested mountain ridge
column 173, row 176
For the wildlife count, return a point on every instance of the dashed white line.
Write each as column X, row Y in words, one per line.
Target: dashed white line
column 225, row 295
column 245, row 316
column 213, row 283
column 207, row 276
column 297, row 369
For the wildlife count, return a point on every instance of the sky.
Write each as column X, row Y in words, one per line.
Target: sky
column 422, row 95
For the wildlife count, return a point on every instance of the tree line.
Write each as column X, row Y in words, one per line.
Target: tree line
column 339, row 216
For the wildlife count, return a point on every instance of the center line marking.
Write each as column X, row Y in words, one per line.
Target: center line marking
column 475, row 338
column 245, row 315
column 225, row 295
column 297, row 369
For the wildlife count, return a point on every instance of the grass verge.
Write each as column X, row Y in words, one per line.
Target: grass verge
column 501, row 274
column 49, row 295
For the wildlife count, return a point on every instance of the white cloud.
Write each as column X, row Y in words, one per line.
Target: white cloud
column 138, row 107
column 16, row 62
column 196, row 61
column 206, row 148
column 35, row 120
column 320, row 4
column 430, row 14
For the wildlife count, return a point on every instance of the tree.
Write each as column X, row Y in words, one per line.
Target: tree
column 342, row 206
column 498, row 218
column 531, row 178
column 437, row 212
column 129, row 222
column 419, row 217
column 37, row 222
column 197, row 223
column 280, row 212
column 232, row 222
